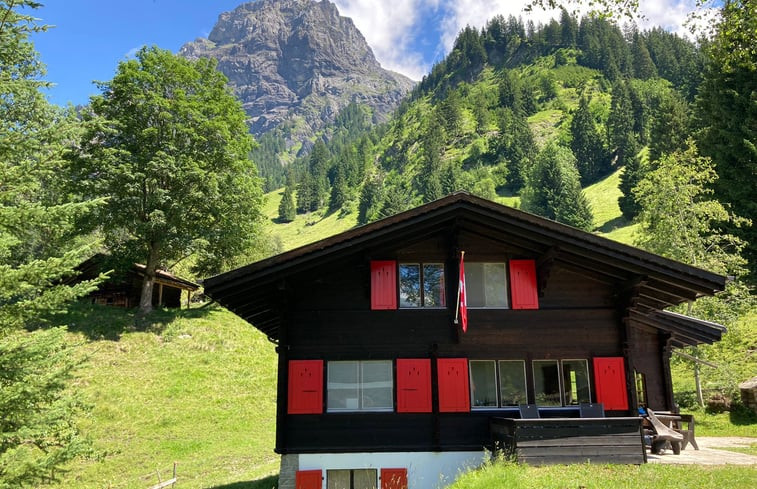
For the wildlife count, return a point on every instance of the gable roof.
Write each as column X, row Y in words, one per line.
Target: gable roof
column 650, row 282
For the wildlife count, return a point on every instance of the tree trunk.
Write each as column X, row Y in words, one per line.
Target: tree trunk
column 145, row 299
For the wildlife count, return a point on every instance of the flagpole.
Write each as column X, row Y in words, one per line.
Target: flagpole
column 457, row 302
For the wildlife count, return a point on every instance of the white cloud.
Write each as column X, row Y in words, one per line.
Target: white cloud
column 390, row 26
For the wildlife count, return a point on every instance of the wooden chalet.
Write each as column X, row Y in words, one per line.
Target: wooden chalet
column 125, row 289
column 379, row 387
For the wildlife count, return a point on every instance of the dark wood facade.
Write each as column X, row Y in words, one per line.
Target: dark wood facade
column 597, row 299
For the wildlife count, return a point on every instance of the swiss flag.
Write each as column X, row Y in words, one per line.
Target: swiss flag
column 461, row 294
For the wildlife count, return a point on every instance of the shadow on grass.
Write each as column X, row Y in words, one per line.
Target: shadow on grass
column 109, row 323
column 270, row 482
column 741, row 415
column 613, row 224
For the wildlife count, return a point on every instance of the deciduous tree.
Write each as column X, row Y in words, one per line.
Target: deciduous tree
column 168, row 146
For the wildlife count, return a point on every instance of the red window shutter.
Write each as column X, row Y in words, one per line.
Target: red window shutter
column 610, row 383
column 383, row 285
column 307, row 479
column 305, row 387
column 454, row 394
column 413, row 385
column 523, row 289
column 393, row 478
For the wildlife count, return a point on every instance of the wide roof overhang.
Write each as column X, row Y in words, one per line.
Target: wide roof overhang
column 650, row 282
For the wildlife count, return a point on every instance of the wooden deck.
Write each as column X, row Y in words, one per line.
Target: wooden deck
column 548, row 441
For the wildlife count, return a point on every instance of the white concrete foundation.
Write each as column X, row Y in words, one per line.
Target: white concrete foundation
column 425, row 470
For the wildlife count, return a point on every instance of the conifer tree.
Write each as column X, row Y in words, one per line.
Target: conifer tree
column 727, row 114
column 287, row 210
column 632, row 174
column 553, row 189
column 620, row 136
column 586, row 143
column 669, row 126
column 40, row 248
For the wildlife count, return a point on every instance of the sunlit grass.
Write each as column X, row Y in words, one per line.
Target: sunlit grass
column 196, row 388
column 586, row 476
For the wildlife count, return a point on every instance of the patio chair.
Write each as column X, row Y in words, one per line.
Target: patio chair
column 529, row 411
column 592, row 410
column 663, row 435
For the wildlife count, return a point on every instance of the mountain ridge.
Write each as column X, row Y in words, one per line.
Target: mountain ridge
column 296, row 64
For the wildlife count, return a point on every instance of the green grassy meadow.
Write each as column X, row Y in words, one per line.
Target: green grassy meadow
column 196, row 388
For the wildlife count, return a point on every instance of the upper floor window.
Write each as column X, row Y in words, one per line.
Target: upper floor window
column 422, row 285
column 486, row 284
column 365, row 385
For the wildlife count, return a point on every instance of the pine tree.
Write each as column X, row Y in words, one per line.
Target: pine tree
column 669, row 126
column 643, row 66
column 287, row 211
column 40, row 248
column 620, row 136
column 553, row 189
column 586, row 143
column 727, row 113
column 632, row 174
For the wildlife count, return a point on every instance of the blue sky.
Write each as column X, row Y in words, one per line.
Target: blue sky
column 90, row 37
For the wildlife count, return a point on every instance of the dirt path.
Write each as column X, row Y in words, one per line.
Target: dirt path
column 710, row 452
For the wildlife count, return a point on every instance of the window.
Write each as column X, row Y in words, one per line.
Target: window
column 422, row 285
column 487, row 391
column 352, row 479
column 546, row 382
column 360, row 386
column 575, row 375
column 641, row 388
column 483, row 387
column 486, row 284
column 561, row 383
column 512, row 383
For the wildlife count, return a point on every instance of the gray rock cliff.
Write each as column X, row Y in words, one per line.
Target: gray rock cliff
column 297, row 62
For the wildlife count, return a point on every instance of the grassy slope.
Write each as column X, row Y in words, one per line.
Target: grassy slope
column 198, row 389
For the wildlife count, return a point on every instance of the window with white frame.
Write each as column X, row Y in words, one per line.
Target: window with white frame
column 486, row 284
column 497, row 383
column 363, row 385
column 422, row 285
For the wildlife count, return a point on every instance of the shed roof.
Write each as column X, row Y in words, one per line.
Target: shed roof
column 651, row 282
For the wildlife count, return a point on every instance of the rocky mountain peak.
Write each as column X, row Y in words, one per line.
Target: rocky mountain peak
column 298, row 61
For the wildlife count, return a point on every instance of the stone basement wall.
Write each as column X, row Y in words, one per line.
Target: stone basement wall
column 290, row 463
column 749, row 393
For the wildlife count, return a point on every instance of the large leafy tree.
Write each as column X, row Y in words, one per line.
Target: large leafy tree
column 39, row 251
column 727, row 114
column 680, row 219
column 553, row 189
column 167, row 144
